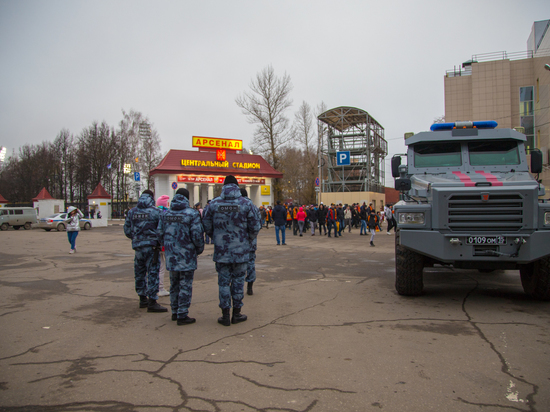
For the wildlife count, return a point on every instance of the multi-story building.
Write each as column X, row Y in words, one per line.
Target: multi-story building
column 511, row 88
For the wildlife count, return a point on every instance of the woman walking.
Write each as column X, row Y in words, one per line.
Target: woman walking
column 73, row 226
column 347, row 218
column 301, row 217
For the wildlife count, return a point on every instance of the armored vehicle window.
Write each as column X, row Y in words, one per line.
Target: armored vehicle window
column 493, row 152
column 18, row 212
column 437, row 155
column 3, row 212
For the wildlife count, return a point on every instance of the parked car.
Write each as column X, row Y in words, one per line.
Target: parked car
column 17, row 217
column 59, row 223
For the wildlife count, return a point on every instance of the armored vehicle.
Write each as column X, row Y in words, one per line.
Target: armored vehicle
column 468, row 200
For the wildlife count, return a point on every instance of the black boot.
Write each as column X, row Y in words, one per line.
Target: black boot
column 371, row 243
column 143, row 302
column 237, row 316
column 174, row 316
column 153, row 306
column 186, row 321
column 249, row 290
column 224, row 320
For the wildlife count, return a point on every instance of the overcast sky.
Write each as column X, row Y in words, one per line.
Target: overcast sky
column 67, row 63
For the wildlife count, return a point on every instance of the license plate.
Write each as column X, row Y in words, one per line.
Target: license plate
column 485, row 240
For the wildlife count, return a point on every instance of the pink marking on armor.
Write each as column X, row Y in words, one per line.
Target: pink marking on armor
column 490, row 178
column 464, row 178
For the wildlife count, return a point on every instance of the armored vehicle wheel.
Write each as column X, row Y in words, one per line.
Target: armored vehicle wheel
column 87, row 226
column 60, row 227
column 408, row 271
column 27, row 226
column 535, row 278
column 4, row 226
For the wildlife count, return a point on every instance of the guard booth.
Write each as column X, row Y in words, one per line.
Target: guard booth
column 46, row 205
column 100, row 201
column 203, row 172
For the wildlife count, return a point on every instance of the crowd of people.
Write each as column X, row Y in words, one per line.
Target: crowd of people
column 169, row 235
column 330, row 220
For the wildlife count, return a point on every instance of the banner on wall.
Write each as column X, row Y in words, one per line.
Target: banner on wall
column 220, row 180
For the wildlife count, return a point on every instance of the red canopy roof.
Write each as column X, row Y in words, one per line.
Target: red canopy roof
column 43, row 195
column 2, row 200
column 99, row 193
column 172, row 164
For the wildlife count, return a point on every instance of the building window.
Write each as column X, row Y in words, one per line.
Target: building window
column 526, row 114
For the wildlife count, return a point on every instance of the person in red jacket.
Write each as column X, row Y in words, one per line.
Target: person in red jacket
column 301, row 218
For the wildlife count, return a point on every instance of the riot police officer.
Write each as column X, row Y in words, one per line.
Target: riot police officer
column 141, row 226
column 233, row 222
column 181, row 234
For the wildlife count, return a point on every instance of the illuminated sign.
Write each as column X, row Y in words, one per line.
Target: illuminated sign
column 217, row 163
column 221, row 155
column 215, row 143
column 218, row 180
column 127, row 168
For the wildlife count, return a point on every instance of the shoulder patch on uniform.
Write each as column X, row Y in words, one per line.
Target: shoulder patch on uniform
column 229, row 208
column 141, row 216
column 173, row 218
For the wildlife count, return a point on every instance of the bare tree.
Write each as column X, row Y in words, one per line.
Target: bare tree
column 303, row 133
column 265, row 105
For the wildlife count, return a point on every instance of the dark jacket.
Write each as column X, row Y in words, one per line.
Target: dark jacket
column 312, row 215
column 322, row 214
column 142, row 222
column 279, row 215
column 181, row 233
column 233, row 222
column 371, row 216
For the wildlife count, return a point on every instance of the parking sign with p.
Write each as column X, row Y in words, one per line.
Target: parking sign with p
column 342, row 158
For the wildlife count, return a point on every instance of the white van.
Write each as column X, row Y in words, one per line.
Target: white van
column 17, row 217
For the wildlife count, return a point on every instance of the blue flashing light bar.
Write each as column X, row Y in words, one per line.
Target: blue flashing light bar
column 485, row 124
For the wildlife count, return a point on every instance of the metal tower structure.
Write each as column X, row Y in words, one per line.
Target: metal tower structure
column 354, row 130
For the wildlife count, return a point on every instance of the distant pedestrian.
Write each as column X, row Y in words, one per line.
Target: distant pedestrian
column 279, row 218
column 371, row 222
column 363, row 217
column 73, row 226
column 390, row 219
column 300, row 218
column 322, row 218
column 313, row 216
column 162, row 204
column 347, row 218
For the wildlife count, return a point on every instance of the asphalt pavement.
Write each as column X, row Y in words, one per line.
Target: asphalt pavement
column 326, row 331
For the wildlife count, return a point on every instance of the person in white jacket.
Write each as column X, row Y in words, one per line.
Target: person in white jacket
column 73, row 226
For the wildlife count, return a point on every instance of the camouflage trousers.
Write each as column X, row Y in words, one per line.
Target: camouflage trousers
column 146, row 273
column 251, row 271
column 231, row 283
column 181, row 289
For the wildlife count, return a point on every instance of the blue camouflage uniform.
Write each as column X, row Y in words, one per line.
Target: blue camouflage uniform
column 141, row 226
column 181, row 232
column 233, row 222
